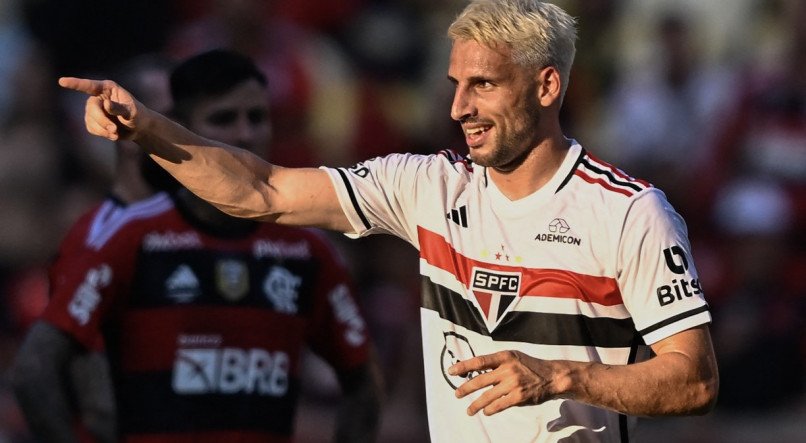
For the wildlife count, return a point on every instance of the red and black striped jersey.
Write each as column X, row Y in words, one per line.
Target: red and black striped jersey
column 594, row 266
column 204, row 329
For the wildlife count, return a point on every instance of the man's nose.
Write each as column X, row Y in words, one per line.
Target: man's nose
column 462, row 106
column 245, row 130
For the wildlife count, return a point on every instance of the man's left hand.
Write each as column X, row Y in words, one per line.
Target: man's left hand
column 513, row 378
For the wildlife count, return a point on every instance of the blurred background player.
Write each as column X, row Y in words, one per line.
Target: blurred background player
column 203, row 316
column 87, row 409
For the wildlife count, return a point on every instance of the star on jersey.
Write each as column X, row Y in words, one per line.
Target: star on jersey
column 501, row 255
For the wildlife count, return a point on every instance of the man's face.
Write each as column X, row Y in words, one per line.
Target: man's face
column 496, row 102
column 239, row 118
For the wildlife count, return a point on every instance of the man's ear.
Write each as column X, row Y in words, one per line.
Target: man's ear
column 549, row 86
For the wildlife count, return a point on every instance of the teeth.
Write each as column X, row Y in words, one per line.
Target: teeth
column 475, row 131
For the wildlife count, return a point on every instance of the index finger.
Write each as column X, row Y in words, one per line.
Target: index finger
column 87, row 86
column 482, row 362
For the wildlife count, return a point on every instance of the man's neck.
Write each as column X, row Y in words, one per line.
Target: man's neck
column 130, row 187
column 535, row 171
column 210, row 216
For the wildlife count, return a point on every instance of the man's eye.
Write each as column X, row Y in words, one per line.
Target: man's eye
column 222, row 118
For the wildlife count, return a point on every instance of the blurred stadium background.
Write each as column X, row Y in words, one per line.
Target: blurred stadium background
column 704, row 98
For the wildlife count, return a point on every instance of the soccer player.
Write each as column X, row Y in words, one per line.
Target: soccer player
column 560, row 296
column 87, row 408
column 203, row 316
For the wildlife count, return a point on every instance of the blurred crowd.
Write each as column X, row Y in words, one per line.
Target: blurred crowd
column 704, row 99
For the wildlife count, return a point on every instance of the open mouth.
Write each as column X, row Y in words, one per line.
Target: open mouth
column 475, row 136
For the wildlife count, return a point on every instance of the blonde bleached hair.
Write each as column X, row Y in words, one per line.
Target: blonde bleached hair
column 539, row 34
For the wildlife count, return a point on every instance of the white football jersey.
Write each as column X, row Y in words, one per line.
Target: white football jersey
column 592, row 267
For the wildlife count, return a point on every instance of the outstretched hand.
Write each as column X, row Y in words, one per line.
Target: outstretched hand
column 513, row 378
column 111, row 111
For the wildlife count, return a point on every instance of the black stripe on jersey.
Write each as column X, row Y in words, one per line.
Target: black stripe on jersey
column 565, row 330
column 623, row 429
column 451, row 155
column 452, row 307
column 155, row 282
column 531, row 327
column 147, row 404
column 673, row 319
column 622, row 418
column 353, row 199
column 609, row 174
column 571, row 172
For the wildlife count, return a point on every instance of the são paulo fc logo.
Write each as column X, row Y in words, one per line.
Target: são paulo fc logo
column 494, row 293
column 456, row 349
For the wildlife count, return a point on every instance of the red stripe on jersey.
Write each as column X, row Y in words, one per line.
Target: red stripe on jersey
column 152, row 336
column 208, row 437
column 618, row 171
column 535, row 282
column 604, row 183
column 566, row 284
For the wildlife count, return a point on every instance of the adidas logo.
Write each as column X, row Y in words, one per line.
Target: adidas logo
column 182, row 286
column 458, row 216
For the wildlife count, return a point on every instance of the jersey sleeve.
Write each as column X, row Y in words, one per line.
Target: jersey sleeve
column 84, row 283
column 657, row 276
column 338, row 331
column 380, row 195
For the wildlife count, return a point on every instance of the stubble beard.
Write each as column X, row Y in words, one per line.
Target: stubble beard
column 510, row 151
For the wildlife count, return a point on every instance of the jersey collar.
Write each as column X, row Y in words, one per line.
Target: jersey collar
column 515, row 208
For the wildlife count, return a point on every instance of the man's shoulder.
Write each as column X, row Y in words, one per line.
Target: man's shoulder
column 601, row 180
column 445, row 158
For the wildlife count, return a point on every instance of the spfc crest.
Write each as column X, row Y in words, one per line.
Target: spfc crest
column 232, row 279
column 494, row 293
